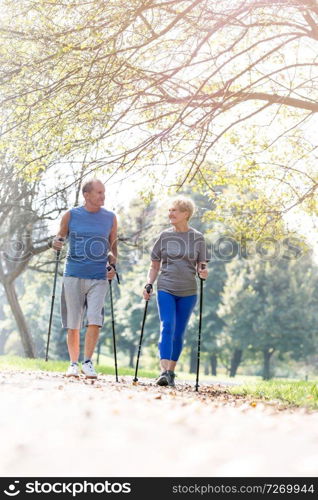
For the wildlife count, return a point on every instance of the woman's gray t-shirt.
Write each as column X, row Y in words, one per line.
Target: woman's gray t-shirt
column 179, row 253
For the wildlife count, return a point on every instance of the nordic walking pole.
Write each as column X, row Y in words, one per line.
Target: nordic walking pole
column 58, row 252
column 203, row 266
column 148, row 290
column 112, row 266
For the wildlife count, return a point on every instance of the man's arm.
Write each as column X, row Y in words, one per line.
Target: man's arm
column 62, row 232
column 112, row 254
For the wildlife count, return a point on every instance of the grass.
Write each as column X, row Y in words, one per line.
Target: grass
column 289, row 392
column 19, row 363
column 292, row 393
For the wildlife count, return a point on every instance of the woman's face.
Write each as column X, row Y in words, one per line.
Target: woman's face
column 176, row 215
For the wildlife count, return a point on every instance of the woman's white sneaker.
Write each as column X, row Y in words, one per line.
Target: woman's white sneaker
column 72, row 371
column 88, row 370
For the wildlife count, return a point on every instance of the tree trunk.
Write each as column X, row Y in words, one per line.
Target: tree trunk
column 131, row 356
column 13, row 301
column 193, row 360
column 3, row 338
column 235, row 362
column 267, row 354
column 214, row 362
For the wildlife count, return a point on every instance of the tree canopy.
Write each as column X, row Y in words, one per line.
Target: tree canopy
column 217, row 92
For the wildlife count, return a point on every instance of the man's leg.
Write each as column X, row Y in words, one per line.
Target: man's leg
column 91, row 338
column 95, row 297
column 72, row 304
column 73, row 344
column 73, row 350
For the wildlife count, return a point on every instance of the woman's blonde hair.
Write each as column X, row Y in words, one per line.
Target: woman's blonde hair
column 184, row 204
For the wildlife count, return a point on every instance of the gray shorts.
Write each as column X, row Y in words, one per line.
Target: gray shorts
column 82, row 297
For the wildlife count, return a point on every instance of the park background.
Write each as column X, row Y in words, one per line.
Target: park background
column 212, row 100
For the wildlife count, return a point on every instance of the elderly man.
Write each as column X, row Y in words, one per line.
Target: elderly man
column 91, row 231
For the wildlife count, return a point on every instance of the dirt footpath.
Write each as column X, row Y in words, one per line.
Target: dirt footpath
column 53, row 426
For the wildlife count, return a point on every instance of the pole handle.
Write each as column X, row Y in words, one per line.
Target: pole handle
column 109, row 268
column 58, row 239
column 203, row 266
column 148, row 287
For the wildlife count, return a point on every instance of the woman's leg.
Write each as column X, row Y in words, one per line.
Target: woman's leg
column 184, row 308
column 167, row 313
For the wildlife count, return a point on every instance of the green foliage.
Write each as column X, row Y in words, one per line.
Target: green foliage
column 35, row 291
column 263, row 305
column 292, row 393
column 224, row 94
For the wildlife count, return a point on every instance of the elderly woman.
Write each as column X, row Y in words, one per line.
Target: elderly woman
column 181, row 253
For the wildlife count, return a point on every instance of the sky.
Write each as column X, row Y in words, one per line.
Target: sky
column 307, row 226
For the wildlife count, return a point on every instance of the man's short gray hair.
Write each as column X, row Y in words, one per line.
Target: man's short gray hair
column 88, row 185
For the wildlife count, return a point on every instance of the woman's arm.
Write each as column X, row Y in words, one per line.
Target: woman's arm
column 202, row 270
column 153, row 271
column 152, row 276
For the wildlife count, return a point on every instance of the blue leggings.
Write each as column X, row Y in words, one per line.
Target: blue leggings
column 174, row 315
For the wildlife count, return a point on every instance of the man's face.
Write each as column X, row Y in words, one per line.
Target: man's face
column 96, row 197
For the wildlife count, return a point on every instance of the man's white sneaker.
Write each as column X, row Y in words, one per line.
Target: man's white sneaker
column 88, row 370
column 72, row 371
